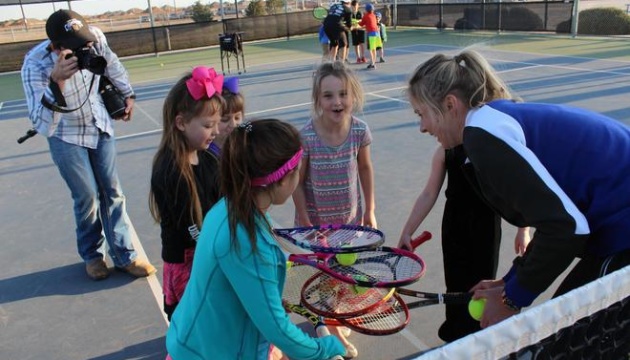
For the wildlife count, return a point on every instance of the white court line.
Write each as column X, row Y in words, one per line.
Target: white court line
column 520, row 69
column 139, row 134
column 1, row 103
column 388, row 98
column 414, row 340
column 154, row 284
column 279, row 108
column 147, row 114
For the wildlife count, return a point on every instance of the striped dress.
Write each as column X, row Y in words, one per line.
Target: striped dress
column 332, row 186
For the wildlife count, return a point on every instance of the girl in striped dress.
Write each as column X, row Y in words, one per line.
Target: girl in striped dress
column 336, row 163
column 336, row 160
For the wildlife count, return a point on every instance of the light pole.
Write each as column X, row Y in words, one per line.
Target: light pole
column 24, row 17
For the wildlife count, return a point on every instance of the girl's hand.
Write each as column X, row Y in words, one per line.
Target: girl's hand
column 405, row 242
column 370, row 220
column 521, row 240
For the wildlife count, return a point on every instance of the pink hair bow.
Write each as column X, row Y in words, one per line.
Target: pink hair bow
column 204, row 81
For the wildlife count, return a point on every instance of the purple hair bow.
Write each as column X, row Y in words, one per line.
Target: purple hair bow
column 231, row 84
column 204, row 82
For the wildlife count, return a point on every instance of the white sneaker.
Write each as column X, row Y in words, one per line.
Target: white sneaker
column 351, row 351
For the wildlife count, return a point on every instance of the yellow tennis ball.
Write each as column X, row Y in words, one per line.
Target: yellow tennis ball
column 476, row 307
column 289, row 264
column 346, row 259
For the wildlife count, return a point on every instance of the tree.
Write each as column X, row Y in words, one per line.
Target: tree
column 274, row 6
column 255, row 8
column 201, row 13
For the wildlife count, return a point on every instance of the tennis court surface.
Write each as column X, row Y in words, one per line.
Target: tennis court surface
column 49, row 309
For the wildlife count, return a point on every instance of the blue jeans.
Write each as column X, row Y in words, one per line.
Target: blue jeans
column 99, row 203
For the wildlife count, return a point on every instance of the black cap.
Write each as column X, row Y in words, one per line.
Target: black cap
column 68, row 29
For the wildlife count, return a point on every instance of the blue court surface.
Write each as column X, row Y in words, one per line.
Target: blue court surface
column 49, row 309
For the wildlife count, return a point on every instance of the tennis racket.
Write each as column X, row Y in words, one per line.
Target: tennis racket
column 295, row 277
column 333, row 238
column 320, row 13
column 392, row 316
column 330, row 297
column 382, row 267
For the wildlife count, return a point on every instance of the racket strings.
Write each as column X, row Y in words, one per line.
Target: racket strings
column 344, row 238
column 381, row 266
column 296, row 276
column 333, row 298
column 334, row 238
column 387, row 318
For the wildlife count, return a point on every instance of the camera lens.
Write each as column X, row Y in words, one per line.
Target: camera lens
column 89, row 60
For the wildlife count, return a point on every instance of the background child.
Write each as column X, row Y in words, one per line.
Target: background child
column 382, row 29
column 471, row 235
column 232, row 307
column 371, row 28
column 357, row 34
column 184, row 178
column 233, row 113
column 324, row 42
column 337, row 28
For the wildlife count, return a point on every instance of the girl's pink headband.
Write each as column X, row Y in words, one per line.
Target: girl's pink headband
column 281, row 172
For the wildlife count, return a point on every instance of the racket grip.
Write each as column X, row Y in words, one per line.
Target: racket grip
column 421, row 239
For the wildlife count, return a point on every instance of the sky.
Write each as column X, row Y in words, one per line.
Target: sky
column 87, row 7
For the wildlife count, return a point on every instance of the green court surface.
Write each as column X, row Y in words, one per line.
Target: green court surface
column 151, row 67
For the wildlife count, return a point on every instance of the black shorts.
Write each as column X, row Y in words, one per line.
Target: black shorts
column 336, row 34
column 358, row 37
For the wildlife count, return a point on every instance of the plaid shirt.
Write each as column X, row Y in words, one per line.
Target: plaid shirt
column 80, row 127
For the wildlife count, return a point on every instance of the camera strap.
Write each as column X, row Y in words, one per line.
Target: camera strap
column 61, row 101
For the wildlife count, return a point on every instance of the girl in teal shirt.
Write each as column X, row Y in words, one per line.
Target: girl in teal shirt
column 232, row 306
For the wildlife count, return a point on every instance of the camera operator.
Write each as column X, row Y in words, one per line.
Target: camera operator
column 61, row 78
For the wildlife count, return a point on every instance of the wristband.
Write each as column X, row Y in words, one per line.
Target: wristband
column 132, row 96
column 509, row 303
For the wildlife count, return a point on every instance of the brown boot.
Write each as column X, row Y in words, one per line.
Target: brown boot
column 139, row 268
column 97, row 269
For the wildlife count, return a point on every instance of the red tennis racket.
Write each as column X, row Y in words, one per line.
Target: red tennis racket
column 380, row 267
column 336, row 239
column 333, row 298
column 392, row 316
column 295, row 277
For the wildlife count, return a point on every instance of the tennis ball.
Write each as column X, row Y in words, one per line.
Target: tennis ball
column 289, row 264
column 359, row 290
column 476, row 307
column 346, row 259
column 161, row 64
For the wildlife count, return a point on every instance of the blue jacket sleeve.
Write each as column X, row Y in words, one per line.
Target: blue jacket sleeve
column 258, row 279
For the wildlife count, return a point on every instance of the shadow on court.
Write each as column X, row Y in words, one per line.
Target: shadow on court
column 64, row 280
column 148, row 350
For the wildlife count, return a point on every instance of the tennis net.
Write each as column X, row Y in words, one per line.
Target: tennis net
column 591, row 322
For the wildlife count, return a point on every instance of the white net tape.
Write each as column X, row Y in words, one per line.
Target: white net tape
column 538, row 322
